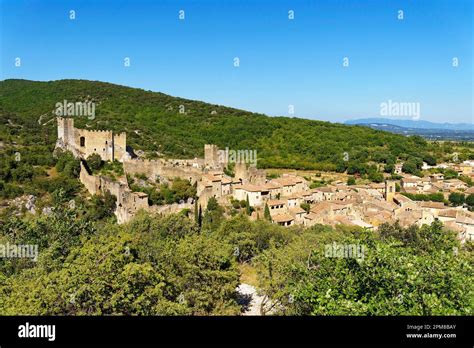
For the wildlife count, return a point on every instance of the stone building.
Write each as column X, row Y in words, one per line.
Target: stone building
column 211, row 156
column 83, row 143
column 128, row 202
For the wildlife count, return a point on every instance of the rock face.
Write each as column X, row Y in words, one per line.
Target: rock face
column 47, row 211
column 28, row 202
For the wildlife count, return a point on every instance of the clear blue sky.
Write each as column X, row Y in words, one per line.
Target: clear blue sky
column 282, row 61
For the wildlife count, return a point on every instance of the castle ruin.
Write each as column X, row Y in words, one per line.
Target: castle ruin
column 206, row 172
column 83, row 143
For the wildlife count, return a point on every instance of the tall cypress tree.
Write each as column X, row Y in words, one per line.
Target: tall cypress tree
column 200, row 216
column 247, row 206
column 267, row 213
column 196, row 212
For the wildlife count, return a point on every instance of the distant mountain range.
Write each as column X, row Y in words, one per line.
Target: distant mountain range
column 414, row 124
column 430, row 130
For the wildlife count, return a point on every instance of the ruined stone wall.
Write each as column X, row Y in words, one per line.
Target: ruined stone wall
column 256, row 176
column 186, row 173
column 249, row 175
column 120, row 146
column 150, row 168
column 128, row 203
column 153, row 169
column 240, row 172
column 171, row 208
column 91, row 182
column 206, row 193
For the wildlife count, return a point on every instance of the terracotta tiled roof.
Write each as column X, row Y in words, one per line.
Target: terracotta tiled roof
column 250, row 188
column 433, row 205
column 273, row 202
column 282, row 218
column 452, row 213
column 296, row 210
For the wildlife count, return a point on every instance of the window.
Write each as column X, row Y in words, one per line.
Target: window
column 82, row 141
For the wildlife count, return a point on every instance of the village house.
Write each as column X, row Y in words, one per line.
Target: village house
column 290, row 184
column 436, row 177
column 276, row 206
column 463, row 168
column 410, row 183
column 398, row 168
column 454, row 185
column 298, row 214
column 284, row 219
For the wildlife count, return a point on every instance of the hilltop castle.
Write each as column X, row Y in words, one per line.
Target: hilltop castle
column 83, row 143
column 206, row 173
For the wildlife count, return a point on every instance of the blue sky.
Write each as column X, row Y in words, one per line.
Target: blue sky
column 283, row 62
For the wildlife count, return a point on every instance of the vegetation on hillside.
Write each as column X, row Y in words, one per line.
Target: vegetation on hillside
column 177, row 127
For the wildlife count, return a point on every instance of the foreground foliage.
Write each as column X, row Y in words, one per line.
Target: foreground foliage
column 174, row 266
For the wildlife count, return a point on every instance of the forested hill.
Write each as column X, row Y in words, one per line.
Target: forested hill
column 179, row 127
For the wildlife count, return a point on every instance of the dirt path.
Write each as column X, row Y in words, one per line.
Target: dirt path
column 249, row 299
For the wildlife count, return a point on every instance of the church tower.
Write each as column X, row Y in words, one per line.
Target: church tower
column 390, row 190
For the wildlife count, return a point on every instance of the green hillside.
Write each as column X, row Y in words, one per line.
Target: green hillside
column 153, row 122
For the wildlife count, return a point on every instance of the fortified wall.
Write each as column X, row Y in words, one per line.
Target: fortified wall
column 155, row 169
column 250, row 175
column 110, row 146
column 83, row 143
column 128, row 202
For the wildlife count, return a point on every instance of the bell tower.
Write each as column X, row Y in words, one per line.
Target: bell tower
column 390, row 190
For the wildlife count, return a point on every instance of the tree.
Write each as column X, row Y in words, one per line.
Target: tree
column 470, row 201
column 376, row 176
column 94, row 161
column 196, row 212
column 351, row 180
column 450, row 174
column 429, row 159
column 248, row 209
column 200, row 216
column 153, row 266
column 456, row 198
column 305, row 206
column 267, row 213
column 411, row 166
column 212, row 204
column 102, row 206
column 387, row 277
column 213, row 215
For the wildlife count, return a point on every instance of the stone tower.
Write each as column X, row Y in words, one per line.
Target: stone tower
column 211, row 156
column 241, row 172
column 66, row 130
column 390, row 190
